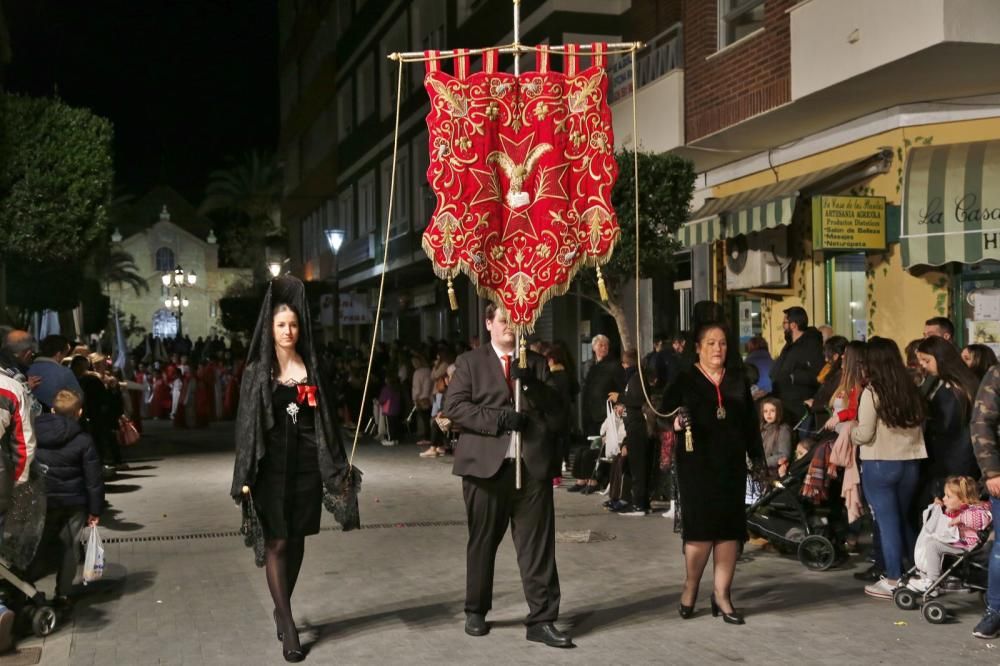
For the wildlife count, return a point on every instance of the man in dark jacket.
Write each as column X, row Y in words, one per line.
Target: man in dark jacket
column 637, row 450
column 603, row 375
column 480, row 400
column 793, row 376
column 74, row 487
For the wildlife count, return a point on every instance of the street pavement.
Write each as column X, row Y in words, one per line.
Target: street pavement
column 180, row 587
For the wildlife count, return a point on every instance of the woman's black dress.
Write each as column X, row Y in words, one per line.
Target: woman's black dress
column 289, row 493
column 712, row 478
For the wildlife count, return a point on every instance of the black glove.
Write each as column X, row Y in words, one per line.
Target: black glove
column 526, row 375
column 511, row 420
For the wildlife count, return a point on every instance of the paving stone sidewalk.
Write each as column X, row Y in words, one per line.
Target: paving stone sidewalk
column 180, row 589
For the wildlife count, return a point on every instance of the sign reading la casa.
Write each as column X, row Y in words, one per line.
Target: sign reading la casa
column 848, row 223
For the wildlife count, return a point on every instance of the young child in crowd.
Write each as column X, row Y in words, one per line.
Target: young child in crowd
column 776, row 435
column 955, row 532
column 74, row 488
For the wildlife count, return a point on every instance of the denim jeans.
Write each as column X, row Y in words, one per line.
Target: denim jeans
column 889, row 486
column 993, row 588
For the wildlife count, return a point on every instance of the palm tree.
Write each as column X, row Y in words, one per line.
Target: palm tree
column 118, row 267
column 247, row 197
column 250, row 188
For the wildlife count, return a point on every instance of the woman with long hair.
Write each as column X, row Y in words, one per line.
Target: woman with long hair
column 844, row 398
column 890, row 435
column 949, row 446
column 715, row 403
column 289, row 457
column 979, row 358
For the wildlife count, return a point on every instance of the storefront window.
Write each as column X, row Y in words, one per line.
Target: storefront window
column 849, row 298
column 978, row 312
column 748, row 320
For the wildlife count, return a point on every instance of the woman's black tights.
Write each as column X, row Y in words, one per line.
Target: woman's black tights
column 283, row 559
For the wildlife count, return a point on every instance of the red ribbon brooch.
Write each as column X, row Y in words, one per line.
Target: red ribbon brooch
column 307, row 394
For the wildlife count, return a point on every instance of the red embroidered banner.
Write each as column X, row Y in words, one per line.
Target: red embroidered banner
column 522, row 169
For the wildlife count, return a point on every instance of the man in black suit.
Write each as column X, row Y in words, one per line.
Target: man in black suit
column 480, row 401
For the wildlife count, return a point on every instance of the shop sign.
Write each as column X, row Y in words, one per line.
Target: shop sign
column 354, row 309
column 848, row 223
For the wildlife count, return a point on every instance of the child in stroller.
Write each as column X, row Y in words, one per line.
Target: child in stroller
column 791, row 522
column 957, row 525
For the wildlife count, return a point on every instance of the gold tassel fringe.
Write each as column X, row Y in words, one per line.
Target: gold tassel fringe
column 601, row 287
column 452, row 298
column 524, row 354
column 688, row 440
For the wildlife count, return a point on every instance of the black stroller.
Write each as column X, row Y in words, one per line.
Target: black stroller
column 792, row 523
column 970, row 567
column 22, row 531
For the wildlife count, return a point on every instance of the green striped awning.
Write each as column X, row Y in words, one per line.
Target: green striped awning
column 754, row 210
column 951, row 204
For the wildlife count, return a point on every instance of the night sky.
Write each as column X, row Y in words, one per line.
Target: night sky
column 186, row 83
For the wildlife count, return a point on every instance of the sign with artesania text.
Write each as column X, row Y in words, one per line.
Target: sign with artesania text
column 848, row 223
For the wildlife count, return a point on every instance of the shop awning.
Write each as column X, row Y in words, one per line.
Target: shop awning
column 951, row 204
column 772, row 205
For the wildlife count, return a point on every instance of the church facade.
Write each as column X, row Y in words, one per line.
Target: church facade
column 164, row 232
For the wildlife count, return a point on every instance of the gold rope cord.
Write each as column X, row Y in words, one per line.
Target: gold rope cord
column 385, row 262
column 635, row 174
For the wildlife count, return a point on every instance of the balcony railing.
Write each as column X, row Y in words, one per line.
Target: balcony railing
column 663, row 54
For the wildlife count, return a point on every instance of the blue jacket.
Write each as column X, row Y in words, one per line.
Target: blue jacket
column 762, row 359
column 55, row 377
column 69, row 460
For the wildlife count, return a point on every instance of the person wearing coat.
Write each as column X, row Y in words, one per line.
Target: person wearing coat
column 74, row 486
column 480, row 401
column 603, row 375
column 795, row 371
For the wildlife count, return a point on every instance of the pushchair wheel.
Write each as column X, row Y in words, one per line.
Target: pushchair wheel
column 934, row 612
column 905, row 599
column 817, row 553
column 43, row 621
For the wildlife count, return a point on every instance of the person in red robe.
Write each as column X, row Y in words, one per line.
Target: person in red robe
column 204, row 396
column 162, row 401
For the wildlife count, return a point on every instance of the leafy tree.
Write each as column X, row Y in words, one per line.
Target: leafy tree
column 666, row 183
column 246, row 197
column 55, row 178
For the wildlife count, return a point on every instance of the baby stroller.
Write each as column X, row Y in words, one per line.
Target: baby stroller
column 792, row 523
column 970, row 567
column 22, row 530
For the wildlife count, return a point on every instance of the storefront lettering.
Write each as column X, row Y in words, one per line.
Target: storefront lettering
column 967, row 209
column 990, row 241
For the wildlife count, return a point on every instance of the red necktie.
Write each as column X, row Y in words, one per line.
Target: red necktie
column 506, row 373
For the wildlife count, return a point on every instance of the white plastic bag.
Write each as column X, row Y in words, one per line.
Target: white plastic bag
column 93, row 563
column 613, row 431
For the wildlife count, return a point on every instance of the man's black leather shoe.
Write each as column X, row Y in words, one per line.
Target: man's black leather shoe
column 475, row 624
column 548, row 634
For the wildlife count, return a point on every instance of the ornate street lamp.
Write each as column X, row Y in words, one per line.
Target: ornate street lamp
column 335, row 238
column 178, row 279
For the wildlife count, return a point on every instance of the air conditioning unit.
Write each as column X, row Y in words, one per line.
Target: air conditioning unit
column 758, row 260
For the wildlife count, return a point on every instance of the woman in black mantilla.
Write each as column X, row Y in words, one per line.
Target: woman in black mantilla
column 715, row 401
column 288, row 450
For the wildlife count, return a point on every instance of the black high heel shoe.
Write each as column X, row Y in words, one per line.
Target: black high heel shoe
column 728, row 618
column 294, row 655
column 686, row 611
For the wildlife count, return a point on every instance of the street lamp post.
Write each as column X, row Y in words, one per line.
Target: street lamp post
column 335, row 238
column 178, row 279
